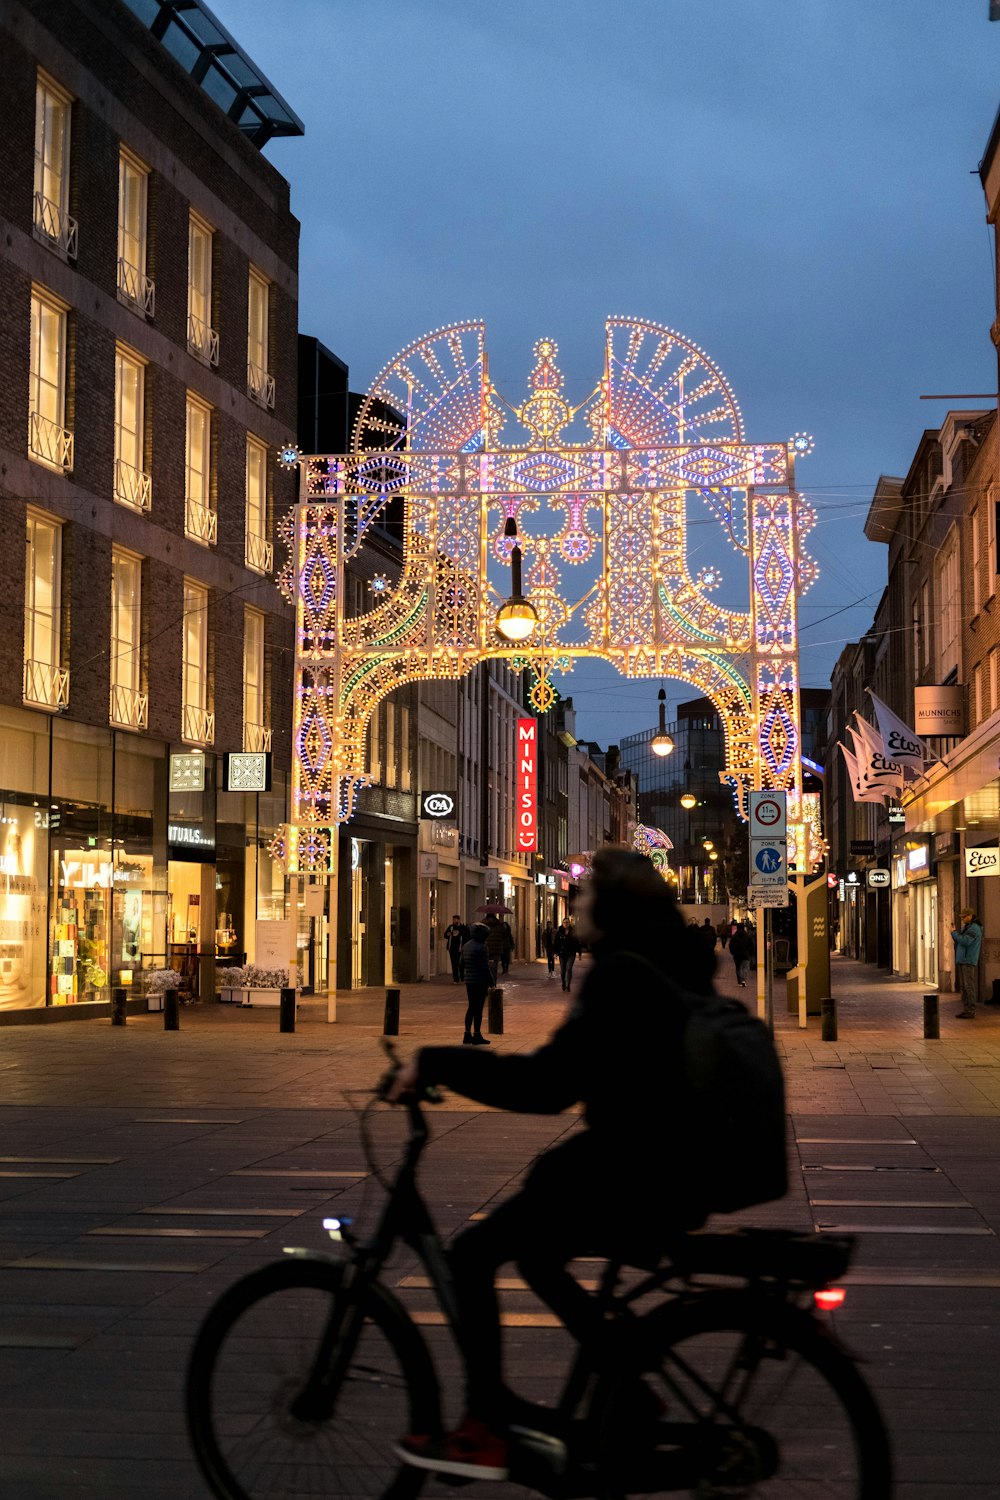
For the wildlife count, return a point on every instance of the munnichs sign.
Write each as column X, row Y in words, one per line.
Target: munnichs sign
column 939, row 710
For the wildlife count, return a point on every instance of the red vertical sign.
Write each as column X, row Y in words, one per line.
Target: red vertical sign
column 526, row 800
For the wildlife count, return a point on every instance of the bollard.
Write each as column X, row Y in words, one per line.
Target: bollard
column 932, row 1018
column 118, row 1007
column 495, row 999
column 171, row 1010
column 390, row 1026
column 286, row 1010
column 828, row 1015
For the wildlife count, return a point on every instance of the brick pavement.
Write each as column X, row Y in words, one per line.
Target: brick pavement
column 143, row 1171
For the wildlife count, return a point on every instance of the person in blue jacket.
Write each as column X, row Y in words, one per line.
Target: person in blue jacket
column 967, row 945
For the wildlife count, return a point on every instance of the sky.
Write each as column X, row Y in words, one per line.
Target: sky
column 790, row 183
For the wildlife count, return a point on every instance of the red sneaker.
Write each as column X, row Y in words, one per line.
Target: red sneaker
column 472, row 1451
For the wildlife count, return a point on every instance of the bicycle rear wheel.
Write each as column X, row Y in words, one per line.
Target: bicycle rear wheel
column 774, row 1411
column 261, row 1425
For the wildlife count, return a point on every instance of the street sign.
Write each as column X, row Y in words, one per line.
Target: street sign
column 768, row 815
column 768, row 862
column 878, row 880
column 768, row 895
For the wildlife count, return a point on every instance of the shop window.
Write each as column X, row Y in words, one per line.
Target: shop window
column 200, row 520
column 259, row 554
column 46, row 683
column 49, row 442
column 135, row 288
column 129, row 707
column 260, row 383
column 198, row 726
column 256, row 736
column 132, row 484
column 203, row 340
column 53, row 223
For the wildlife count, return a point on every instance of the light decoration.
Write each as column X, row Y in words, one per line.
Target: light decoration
column 661, row 430
column 654, row 844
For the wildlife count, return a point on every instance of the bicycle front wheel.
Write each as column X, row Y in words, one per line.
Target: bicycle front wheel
column 263, row 1423
column 739, row 1405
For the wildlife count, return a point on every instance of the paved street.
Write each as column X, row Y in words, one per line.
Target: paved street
column 143, row 1171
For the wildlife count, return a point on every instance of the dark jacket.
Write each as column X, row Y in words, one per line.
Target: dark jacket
column 740, row 946
column 494, row 938
column 456, row 934
column 565, row 942
column 632, row 1094
column 475, row 962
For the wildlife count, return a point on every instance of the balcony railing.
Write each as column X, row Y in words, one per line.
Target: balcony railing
column 260, row 384
column 259, row 553
column 132, row 486
column 55, row 225
column 136, row 288
column 46, row 686
column 199, row 725
column 129, row 708
column 256, row 738
column 203, row 341
column 50, row 442
column 200, row 522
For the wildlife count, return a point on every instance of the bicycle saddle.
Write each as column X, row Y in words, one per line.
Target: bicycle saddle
column 775, row 1254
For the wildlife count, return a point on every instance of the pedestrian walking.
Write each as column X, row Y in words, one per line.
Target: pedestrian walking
column 567, row 946
column 508, row 947
column 456, row 935
column 478, row 981
column 549, row 946
column 740, row 950
column 968, row 942
column 709, row 933
column 722, row 932
column 494, row 943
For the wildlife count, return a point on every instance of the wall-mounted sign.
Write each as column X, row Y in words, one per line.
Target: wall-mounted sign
column 526, row 804
column 939, row 710
column 248, row 771
column 427, row 865
column 187, row 772
column 918, row 861
column 441, row 807
column 945, row 845
column 878, row 880
column 983, row 861
column 863, row 848
column 897, row 817
column 189, row 841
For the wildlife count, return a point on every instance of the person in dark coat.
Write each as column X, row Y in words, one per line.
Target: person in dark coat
column 494, row 943
column 741, row 951
column 549, row 946
column 567, row 946
column 456, row 935
column 478, row 979
column 709, row 933
column 619, row 1051
column 508, row 947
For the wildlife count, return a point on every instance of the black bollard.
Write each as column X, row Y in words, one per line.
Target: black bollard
column 390, row 1026
column 286, row 1010
column 828, row 1018
column 118, row 1007
column 495, row 1000
column 171, row 1010
column 932, row 1018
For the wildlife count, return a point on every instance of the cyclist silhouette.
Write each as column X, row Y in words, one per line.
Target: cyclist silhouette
column 619, row 1184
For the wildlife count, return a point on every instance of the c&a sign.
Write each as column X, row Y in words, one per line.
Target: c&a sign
column 526, row 800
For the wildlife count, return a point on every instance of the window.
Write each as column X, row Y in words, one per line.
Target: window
column 994, row 679
column 405, row 769
column 259, row 383
column 134, row 286
column 255, row 735
column 259, row 551
column 53, row 111
column 925, row 622
column 977, row 563
column 203, row 341
column 391, row 762
column 132, row 483
column 129, row 706
column 991, row 542
column 198, row 724
column 949, row 612
column 200, row 520
column 375, row 744
column 48, row 440
column 46, row 685
column 977, row 692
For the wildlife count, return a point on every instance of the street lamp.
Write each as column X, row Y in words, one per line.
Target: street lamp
column 707, row 844
column 515, row 620
column 689, row 800
column 661, row 743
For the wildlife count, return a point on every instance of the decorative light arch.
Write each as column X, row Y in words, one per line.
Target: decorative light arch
column 660, row 431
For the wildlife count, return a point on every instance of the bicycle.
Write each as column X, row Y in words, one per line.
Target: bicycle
column 305, row 1372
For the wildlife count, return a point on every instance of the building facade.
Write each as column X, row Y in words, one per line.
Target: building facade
column 148, row 307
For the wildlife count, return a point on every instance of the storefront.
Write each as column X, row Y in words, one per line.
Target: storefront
column 375, row 931
column 922, row 883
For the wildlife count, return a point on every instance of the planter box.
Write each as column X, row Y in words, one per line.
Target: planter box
column 232, row 997
column 251, row 997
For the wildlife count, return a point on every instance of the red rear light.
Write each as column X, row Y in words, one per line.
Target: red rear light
column 830, row 1298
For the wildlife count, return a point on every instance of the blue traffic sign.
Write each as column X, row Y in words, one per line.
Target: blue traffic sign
column 769, row 860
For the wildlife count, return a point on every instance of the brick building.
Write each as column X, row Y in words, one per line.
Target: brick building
column 148, row 311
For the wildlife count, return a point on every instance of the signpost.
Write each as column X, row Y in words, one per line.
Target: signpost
column 768, row 884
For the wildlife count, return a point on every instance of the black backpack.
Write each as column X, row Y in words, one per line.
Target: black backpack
column 736, row 1144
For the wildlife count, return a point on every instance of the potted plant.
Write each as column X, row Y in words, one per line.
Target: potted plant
column 158, row 981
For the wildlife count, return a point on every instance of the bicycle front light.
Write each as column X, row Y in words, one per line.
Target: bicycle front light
column 830, row 1298
column 337, row 1228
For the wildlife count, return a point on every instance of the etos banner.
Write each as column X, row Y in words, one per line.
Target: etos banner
column 526, row 800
